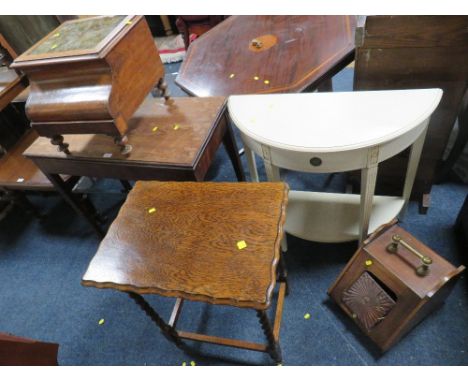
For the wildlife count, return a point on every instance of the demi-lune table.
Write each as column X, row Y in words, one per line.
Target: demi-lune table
column 335, row 132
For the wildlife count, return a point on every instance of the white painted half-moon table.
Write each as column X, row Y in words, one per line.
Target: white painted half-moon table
column 335, row 132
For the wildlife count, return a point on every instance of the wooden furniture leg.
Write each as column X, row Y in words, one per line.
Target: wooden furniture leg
column 57, row 140
column 126, row 185
column 74, row 202
column 167, row 330
column 18, row 197
column 231, row 148
column 176, row 336
column 250, row 156
column 21, row 199
column 368, row 180
column 413, row 162
column 326, row 85
column 460, row 142
column 273, row 347
column 283, row 272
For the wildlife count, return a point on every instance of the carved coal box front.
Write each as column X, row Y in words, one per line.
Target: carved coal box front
column 391, row 283
column 89, row 76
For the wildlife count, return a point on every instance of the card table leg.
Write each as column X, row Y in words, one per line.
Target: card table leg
column 74, row 202
column 273, row 349
column 20, row 199
column 126, row 185
column 167, row 330
column 231, row 148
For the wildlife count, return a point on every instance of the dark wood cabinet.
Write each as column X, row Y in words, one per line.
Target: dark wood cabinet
column 408, row 52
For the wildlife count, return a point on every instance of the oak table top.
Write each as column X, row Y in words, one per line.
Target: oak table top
column 181, row 240
column 295, row 53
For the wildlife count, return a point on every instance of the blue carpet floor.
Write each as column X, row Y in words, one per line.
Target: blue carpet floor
column 42, row 262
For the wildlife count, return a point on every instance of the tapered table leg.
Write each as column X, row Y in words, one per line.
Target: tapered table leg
column 250, row 156
column 231, row 148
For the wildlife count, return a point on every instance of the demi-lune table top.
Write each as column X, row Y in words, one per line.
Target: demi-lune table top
column 335, row 132
column 211, row 242
column 331, row 122
column 292, row 54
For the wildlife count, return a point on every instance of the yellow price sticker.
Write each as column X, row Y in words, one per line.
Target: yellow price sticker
column 54, row 46
column 256, row 78
column 368, row 263
column 152, row 210
column 192, row 363
column 307, row 316
column 56, row 34
column 232, row 75
column 101, row 321
column 154, row 128
column 176, row 127
column 266, row 82
column 241, row 244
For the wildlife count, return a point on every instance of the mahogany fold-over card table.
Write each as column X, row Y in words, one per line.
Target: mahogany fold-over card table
column 333, row 132
column 268, row 54
column 171, row 141
column 217, row 243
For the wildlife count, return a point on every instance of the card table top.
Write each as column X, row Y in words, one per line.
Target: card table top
column 296, row 52
column 212, row 242
column 166, row 134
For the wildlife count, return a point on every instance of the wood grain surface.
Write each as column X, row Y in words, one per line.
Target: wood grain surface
column 10, row 86
column 414, row 296
column 195, row 119
column 187, row 246
column 297, row 52
column 415, row 52
column 91, row 91
column 19, row 172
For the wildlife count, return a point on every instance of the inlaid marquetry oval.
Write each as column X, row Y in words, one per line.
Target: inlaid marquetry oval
column 266, row 41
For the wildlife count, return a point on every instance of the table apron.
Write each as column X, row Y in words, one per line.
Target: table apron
column 109, row 170
column 337, row 161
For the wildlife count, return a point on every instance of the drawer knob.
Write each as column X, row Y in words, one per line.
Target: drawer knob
column 315, row 161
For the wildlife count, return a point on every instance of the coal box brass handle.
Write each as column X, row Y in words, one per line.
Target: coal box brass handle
column 423, row 269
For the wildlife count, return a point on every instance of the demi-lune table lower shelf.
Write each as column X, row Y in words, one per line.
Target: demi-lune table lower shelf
column 332, row 218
